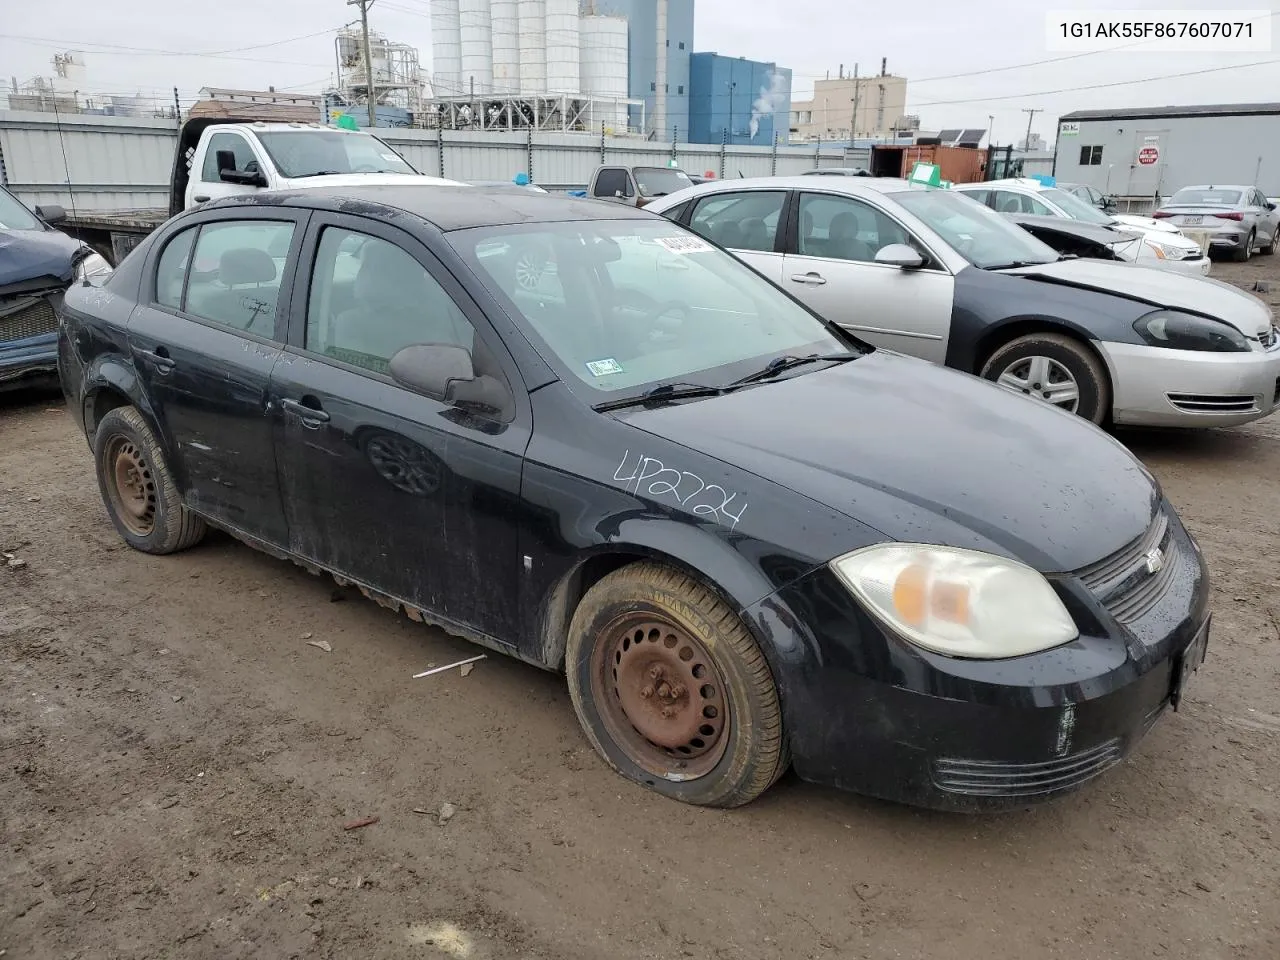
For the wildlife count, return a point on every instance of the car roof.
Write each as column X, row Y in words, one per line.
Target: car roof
column 1215, row 186
column 445, row 207
column 1015, row 183
column 855, row 186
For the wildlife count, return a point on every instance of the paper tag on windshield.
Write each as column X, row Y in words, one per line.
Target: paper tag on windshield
column 684, row 244
column 602, row 368
column 390, row 157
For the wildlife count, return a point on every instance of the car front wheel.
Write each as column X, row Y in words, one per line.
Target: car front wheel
column 672, row 690
column 1054, row 369
column 138, row 487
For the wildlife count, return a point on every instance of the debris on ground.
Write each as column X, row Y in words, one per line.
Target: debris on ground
column 450, row 666
column 308, row 635
column 447, row 810
column 466, row 669
column 13, row 561
column 320, row 644
column 357, row 824
column 176, row 698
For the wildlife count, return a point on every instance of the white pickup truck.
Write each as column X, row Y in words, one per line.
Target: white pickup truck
column 220, row 156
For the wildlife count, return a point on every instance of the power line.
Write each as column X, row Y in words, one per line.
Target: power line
column 1098, row 86
column 114, row 49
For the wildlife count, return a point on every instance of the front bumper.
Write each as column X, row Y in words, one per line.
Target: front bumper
column 1154, row 386
column 867, row 712
column 32, row 358
column 1199, row 267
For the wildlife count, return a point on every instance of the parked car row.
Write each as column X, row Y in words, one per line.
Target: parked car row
column 589, row 437
column 1238, row 219
column 936, row 275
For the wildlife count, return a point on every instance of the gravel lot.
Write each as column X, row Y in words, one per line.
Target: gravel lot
column 177, row 765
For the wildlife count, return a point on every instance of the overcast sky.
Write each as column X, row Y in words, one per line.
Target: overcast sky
column 922, row 39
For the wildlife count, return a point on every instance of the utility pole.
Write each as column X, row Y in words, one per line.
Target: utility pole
column 732, row 88
column 1031, row 115
column 364, row 6
column 853, row 123
column 991, row 129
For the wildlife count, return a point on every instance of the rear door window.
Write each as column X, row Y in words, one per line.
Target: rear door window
column 235, row 275
column 746, row 220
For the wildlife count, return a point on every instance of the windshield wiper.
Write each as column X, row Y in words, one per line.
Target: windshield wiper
column 318, row 173
column 785, row 362
column 662, row 393
column 1014, row 264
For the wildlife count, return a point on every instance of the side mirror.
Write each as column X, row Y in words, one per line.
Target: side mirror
column 51, row 213
column 245, row 178
column 1270, row 205
column 900, row 255
column 444, row 372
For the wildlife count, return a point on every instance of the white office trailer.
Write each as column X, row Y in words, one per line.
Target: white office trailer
column 1141, row 154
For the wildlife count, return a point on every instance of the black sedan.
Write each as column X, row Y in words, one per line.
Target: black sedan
column 748, row 539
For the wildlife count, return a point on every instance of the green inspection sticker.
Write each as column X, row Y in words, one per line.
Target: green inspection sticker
column 602, row 368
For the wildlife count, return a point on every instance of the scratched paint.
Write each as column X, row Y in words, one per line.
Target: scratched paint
column 684, row 487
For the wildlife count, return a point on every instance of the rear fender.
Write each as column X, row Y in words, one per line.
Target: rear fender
column 107, row 379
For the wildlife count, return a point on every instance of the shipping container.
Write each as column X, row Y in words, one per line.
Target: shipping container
column 956, row 164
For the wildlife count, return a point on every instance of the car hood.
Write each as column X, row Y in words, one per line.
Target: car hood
column 367, row 180
column 33, row 254
column 924, row 454
column 1149, row 224
column 1161, row 288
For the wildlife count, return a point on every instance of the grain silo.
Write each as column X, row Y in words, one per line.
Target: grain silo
column 506, row 46
column 603, row 69
column 531, row 20
column 446, row 48
column 562, row 47
column 476, row 35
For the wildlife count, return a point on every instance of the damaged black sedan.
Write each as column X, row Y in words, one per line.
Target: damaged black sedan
column 586, row 437
column 37, row 263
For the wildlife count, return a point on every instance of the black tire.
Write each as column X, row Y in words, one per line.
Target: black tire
column 1243, row 253
column 1091, row 378
column 750, row 751
column 148, row 512
column 1270, row 248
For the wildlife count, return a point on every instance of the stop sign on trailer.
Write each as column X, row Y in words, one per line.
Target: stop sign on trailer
column 1149, row 155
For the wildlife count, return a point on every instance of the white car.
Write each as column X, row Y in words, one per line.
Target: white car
column 1161, row 246
column 933, row 273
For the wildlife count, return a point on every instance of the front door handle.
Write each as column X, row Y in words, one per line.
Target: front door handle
column 201, row 199
column 815, row 279
column 160, row 358
column 306, row 414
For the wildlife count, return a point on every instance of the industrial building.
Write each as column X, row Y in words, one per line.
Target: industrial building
column 737, row 100
column 662, row 82
column 861, row 106
column 1145, row 153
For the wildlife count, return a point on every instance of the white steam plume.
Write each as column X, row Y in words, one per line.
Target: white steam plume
column 771, row 98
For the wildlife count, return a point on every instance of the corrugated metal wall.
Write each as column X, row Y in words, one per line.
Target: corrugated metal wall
column 114, row 163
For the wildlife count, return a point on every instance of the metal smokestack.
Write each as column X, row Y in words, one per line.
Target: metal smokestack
column 884, row 66
column 660, row 74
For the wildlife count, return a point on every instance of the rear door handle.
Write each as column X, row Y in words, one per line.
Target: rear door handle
column 303, row 412
column 813, row 278
column 159, row 358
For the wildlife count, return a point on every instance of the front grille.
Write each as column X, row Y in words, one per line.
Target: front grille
column 1125, row 582
column 1267, row 337
column 984, row 778
column 1211, row 403
column 32, row 319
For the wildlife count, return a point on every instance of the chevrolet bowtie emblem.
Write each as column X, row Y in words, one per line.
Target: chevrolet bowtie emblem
column 1155, row 560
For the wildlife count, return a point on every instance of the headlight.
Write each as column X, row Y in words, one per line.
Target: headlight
column 1164, row 251
column 1183, row 331
column 94, row 269
column 961, row 603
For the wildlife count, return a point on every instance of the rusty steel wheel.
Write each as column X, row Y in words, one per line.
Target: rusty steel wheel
column 131, row 486
column 672, row 689
column 137, row 486
column 660, row 696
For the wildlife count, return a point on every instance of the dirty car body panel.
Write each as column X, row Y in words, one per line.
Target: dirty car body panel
column 493, row 519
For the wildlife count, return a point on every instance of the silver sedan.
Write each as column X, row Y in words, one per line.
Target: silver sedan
column 1239, row 220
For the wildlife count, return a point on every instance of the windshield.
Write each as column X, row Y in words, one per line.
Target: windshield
column 976, row 232
column 659, row 181
column 14, row 216
column 1076, row 208
column 620, row 304
column 1210, row 198
column 313, row 153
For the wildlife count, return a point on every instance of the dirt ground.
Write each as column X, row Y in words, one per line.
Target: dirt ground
column 177, row 765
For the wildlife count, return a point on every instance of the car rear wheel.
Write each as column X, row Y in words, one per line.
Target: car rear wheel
column 1245, row 251
column 672, row 690
column 1055, row 369
column 1270, row 248
column 138, row 488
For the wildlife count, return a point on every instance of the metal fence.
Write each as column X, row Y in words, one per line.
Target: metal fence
column 116, row 163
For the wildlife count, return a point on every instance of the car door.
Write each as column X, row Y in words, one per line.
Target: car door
column 413, row 496
column 1266, row 218
column 830, row 265
column 207, row 184
column 204, row 346
column 746, row 222
column 614, row 183
column 1012, row 201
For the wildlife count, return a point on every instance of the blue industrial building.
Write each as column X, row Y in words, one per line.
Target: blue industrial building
column 642, row 50
column 741, row 101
